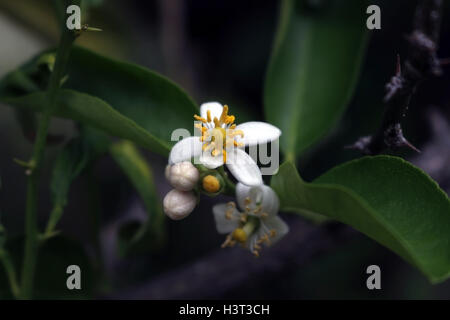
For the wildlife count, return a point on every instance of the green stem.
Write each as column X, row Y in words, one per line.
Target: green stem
column 230, row 187
column 31, row 229
column 10, row 272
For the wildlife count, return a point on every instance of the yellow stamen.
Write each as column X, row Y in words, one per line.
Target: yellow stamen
column 224, row 156
column 224, row 114
column 229, row 119
column 208, row 116
column 216, row 122
column 198, row 118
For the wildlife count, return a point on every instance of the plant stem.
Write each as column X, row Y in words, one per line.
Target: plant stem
column 10, row 272
column 31, row 229
column 230, row 187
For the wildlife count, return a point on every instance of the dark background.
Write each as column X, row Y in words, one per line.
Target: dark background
column 219, row 50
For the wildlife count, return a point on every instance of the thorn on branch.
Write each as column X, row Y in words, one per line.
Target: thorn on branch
column 421, row 64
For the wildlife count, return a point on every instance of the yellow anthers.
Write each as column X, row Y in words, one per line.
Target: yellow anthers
column 256, row 253
column 211, row 184
column 257, row 210
column 239, row 235
column 265, row 238
column 198, row 118
column 224, row 114
column 244, row 217
column 215, row 152
column 220, row 130
column 229, row 119
column 231, row 204
column 228, row 214
column 273, row 233
column 229, row 242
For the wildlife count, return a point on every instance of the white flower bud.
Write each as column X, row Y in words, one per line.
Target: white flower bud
column 183, row 176
column 179, row 204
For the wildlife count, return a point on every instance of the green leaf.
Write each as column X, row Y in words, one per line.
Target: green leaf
column 313, row 69
column 145, row 106
column 135, row 237
column 386, row 198
column 95, row 112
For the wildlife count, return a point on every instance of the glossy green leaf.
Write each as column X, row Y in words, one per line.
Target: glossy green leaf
column 384, row 197
column 137, row 237
column 313, row 69
column 148, row 106
column 95, row 112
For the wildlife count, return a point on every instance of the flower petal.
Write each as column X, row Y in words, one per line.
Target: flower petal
column 214, row 107
column 277, row 224
column 209, row 161
column 223, row 224
column 185, row 149
column 243, row 167
column 257, row 133
column 260, row 196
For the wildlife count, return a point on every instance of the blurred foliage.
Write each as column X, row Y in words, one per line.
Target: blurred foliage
column 138, row 237
column 316, row 59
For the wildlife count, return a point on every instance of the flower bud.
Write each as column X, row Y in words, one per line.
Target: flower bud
column 183, row 176
column 179, row 204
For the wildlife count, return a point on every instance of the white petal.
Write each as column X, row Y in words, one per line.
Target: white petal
column 257, row 133
column 274, row 223
column 223, row 224
column 214, row 107
column 209, row 161
column 262, row 195
column 185, row 149
column 242, row 192
column 243, row 167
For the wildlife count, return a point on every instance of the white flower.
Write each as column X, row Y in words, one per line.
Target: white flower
column 179, row 204
column 257, row 223
column 183, row 176
column 221, row 140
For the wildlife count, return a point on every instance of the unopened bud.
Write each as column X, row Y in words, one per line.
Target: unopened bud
column 179, row 204
column 183, row 176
